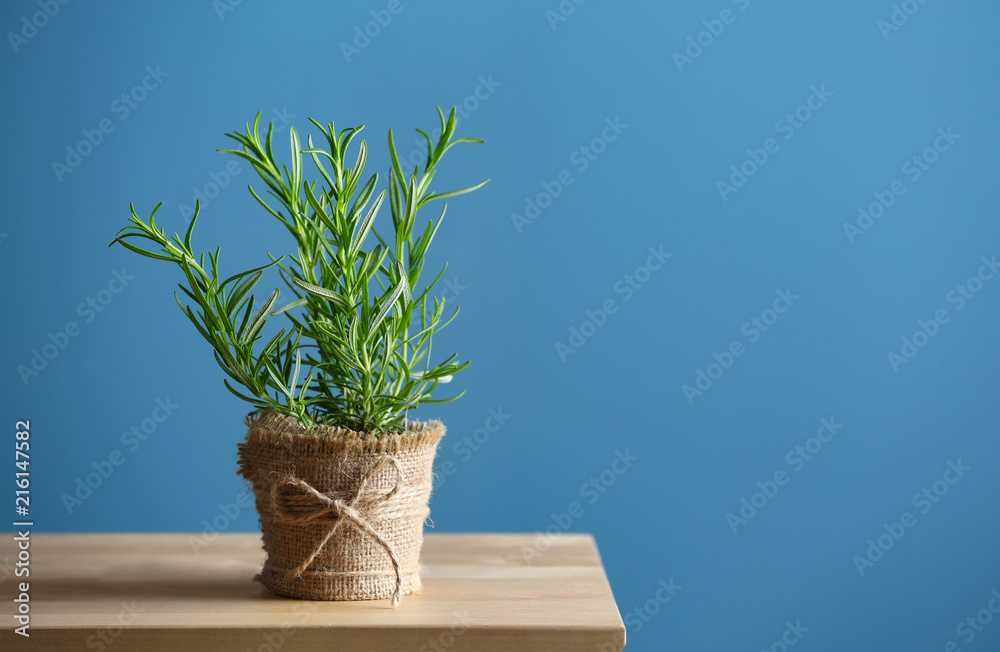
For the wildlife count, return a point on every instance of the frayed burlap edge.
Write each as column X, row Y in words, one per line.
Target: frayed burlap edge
column 271, row 428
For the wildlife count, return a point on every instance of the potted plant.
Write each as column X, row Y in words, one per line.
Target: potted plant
column 341, row 475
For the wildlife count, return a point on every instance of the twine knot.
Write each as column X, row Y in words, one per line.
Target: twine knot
column 297, row 501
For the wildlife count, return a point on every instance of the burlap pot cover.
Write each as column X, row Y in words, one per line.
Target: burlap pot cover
column 341, row 512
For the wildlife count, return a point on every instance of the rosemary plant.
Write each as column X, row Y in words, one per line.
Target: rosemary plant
column 355, row 351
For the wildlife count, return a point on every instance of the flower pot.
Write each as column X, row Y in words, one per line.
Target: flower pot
column 341, row 512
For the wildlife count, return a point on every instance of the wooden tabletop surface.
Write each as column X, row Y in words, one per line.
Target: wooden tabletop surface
column 117, row 592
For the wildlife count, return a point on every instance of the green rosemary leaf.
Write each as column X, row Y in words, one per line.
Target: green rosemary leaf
column 258, row 320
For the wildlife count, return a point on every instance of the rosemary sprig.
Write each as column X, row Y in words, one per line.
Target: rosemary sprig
column 356, row 351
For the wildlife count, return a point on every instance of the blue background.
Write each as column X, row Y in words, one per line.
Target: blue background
column 523, row 287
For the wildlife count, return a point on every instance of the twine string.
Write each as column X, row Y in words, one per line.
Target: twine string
column 305, row 504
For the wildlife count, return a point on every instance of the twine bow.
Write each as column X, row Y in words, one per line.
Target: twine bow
column 308, row 505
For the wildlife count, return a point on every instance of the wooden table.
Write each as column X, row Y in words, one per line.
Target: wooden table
column 117, row 592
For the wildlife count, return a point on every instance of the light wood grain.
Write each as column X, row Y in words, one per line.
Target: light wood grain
column 117, row 592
